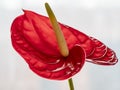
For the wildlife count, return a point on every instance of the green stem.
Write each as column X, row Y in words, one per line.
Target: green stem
column 70, row 81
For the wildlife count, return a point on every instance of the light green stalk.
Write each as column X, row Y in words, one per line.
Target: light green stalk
column 59, row 35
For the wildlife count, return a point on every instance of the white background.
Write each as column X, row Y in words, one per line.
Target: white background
column 97, row 18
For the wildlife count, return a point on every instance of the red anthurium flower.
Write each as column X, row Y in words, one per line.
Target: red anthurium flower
column 34, row 39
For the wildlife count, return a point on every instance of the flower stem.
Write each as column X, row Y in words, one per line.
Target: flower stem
column 70, row 81
column 60, row 37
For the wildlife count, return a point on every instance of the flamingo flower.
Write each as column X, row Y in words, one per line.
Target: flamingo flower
column 34, row 38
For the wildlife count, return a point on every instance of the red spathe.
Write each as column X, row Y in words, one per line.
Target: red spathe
column 34, row 39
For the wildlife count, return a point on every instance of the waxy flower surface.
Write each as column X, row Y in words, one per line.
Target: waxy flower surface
column 34, row 39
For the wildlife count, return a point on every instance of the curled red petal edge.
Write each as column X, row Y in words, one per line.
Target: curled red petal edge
column 102, row 54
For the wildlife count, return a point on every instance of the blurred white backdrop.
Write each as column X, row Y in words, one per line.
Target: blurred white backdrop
column 97, row 18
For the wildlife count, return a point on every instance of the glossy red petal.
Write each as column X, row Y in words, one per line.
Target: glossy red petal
column 34, row 39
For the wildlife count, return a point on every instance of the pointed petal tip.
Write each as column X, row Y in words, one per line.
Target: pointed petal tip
column 25, row 11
